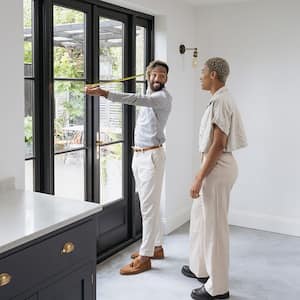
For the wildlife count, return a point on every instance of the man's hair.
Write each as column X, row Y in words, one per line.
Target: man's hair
column 220, row 66
column 153, row 64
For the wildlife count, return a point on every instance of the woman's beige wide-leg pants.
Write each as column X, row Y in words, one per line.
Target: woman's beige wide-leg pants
column 209, row 230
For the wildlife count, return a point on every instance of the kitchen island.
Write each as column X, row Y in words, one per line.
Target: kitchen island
column 47, row 247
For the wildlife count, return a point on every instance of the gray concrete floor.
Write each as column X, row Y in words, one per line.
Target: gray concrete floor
column 264, row 266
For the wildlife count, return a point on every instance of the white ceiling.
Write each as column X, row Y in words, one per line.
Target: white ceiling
column 212, row 2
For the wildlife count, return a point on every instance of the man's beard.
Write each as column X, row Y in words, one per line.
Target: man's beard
column 158, row 86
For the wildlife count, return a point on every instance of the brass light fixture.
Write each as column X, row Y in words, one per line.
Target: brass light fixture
column 182, row 50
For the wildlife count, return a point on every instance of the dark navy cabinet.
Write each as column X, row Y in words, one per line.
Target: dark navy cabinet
column 58, row 266
column 76, row 286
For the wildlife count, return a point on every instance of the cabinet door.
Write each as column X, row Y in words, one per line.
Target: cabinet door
column 33, row 297
column 77, row 285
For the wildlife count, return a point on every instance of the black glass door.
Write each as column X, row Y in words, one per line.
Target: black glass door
column 82, row 144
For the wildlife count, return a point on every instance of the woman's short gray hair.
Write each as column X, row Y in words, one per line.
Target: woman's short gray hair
column 220, row 66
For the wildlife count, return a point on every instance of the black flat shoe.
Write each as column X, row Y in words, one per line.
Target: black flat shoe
column 202, row 294
column 186, row 271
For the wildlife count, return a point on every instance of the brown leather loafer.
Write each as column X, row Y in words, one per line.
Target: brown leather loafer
column 136, row 267
column 158, row 254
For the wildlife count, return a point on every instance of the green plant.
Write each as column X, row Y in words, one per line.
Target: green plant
column 58, row 127
column 28, row 129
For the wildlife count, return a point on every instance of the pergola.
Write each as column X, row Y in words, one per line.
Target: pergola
column 72, row 35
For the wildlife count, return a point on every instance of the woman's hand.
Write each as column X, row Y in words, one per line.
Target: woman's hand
column 195, row 188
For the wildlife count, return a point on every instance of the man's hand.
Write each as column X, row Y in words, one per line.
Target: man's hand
column 195, row 188
column 95, row 91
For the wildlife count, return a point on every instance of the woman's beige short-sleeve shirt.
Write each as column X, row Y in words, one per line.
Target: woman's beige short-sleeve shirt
column 223, row 112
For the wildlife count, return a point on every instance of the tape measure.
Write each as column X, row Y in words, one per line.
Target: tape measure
column 91, row 85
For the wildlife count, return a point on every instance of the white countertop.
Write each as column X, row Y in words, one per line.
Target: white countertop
column 25, row 216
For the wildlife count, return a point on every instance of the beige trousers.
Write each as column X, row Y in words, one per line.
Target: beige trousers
column 209, row 230
column 148, row 169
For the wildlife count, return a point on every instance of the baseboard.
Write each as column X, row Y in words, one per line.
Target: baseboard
column 290, row 226
column 174, row 222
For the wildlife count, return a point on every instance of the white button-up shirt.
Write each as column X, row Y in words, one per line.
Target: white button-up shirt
column 223, row 112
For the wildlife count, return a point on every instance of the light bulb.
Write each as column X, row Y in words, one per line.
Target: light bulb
column 194, row 62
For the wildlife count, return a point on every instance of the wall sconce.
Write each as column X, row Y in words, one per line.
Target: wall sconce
column 182, row 50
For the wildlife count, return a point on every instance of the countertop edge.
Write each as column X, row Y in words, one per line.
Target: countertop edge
column 52, row 228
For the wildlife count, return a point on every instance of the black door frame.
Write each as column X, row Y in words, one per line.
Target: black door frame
column 44, row 111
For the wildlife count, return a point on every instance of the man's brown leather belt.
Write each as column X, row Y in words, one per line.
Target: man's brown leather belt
column 137, row 149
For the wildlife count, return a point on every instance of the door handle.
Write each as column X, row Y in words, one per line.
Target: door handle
column 99, row 143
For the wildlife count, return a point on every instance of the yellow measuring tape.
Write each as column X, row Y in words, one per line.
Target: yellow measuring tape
column 91, row 85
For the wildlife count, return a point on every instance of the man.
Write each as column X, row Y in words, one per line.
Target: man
column 221, row 132
column 148, row 159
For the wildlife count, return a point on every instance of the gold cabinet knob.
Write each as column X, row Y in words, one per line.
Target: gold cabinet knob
column 68, row 247
column 5, row 279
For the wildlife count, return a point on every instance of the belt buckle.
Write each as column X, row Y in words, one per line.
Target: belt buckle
column 138, row 149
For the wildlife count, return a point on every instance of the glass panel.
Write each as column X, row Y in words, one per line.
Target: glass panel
column 140, row 89
column 111, row 170
column 69, row 122
column 27, row 19
column 28, row 122
column 140, row 61
column 69, row 42
column 29, row 175
column 111, row 116
column 140, row 51
column 111, row 48
column 69, row 175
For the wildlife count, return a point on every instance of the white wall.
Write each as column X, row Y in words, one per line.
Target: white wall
column 12, row 91
column 261, row 41
column 173, row 27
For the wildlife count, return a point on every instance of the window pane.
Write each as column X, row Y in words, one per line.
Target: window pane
column 69, row 174
column 111, row 186
column 69, row 43
column 111, row 48
column 28, row 122
column 140, row 51
column 140, row 88
column 29, row 175
column 140, row 61
column 27, row 19
column 111, row 116
column 69, row 123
